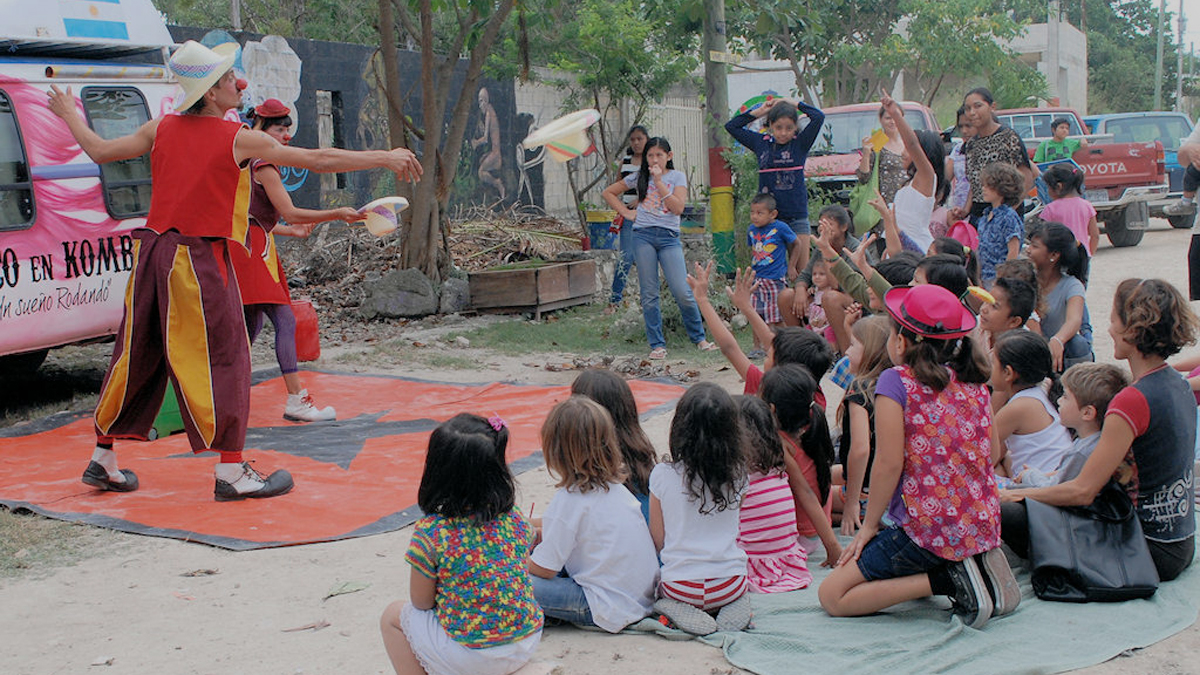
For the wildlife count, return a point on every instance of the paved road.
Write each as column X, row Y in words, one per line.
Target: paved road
column 1162, row 254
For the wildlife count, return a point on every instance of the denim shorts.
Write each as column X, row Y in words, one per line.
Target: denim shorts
column 800, row 226
column 892, row 554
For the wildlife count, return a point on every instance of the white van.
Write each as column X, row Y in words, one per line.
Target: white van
column 65, row 248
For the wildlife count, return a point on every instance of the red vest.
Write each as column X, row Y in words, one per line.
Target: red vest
column 199, row 189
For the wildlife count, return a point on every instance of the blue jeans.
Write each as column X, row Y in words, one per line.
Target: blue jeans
column 655, row 246
column 893, row 554
column 624, row 262
column 561, row 598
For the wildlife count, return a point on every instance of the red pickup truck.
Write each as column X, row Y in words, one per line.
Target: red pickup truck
column 1121, row 179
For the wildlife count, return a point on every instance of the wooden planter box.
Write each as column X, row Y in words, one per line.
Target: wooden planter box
column 536, row 289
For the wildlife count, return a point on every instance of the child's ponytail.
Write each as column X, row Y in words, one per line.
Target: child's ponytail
column 1058, row 238
column 790, row 390
column 1028, row 354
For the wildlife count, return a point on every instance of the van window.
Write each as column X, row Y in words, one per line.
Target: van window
column 1169, row 129
column 16, row 188
column 113, row 112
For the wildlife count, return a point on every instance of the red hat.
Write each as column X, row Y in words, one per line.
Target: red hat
column 272, row 107
column 929, row 311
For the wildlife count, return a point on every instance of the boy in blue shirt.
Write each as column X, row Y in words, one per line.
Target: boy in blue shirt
column 772, row 245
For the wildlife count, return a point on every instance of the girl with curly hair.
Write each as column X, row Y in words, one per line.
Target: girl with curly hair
column 695, row 499
column 1149, row 433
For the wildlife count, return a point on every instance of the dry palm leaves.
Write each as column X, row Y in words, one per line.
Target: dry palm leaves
column 481, row 239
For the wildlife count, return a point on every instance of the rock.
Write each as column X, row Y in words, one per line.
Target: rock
column 462, row 342
column 400, row 293
column 455, row 296
column 739, row 321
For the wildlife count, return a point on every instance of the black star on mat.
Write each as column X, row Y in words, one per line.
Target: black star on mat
column 336, row 442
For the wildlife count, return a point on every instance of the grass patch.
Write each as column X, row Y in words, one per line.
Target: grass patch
column 34, row 545
column 587, row 331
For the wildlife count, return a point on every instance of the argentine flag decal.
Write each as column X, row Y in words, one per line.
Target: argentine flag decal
column 102, row 19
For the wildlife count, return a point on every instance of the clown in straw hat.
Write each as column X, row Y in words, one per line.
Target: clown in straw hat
column 198, row 213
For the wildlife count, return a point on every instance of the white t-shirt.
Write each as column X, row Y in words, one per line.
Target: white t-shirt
column 602, row 540
column 696, row 546
column 913, row 213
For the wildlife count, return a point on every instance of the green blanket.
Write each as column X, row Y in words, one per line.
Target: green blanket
column 793, row 634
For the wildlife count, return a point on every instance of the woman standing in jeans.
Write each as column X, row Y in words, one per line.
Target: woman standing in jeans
column 661, row 191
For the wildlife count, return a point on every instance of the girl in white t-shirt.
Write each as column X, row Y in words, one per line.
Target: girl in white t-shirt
column 595, row 564
column 925, row 158
column 695, row 501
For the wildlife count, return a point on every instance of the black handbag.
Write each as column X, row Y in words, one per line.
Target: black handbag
column 1094, row 553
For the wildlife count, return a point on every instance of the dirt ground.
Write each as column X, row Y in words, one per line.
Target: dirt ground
column 138, row 604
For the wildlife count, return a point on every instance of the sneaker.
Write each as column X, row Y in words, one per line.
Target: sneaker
column 253, row 485
column 96, row 476
column 685, row 617
column 1001, row 584
column 300, row 408
column 736, row 615
column 1180, row 208
column 972, row 603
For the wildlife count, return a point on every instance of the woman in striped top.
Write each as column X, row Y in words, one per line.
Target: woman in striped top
column 767, row 524
column 630, row 165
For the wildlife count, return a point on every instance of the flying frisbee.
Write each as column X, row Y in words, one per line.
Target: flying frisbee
column 566, row 137
column 383, row 214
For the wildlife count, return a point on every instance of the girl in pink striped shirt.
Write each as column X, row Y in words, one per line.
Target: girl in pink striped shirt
column 767, row 522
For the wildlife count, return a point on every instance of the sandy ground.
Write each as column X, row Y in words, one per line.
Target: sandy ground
column 133, row 608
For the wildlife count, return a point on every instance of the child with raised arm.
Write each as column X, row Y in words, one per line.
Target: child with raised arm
column 781, row 156
column 472, row 608
column 789, row 344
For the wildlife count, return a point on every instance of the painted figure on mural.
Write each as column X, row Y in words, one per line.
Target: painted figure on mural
column 489, row 138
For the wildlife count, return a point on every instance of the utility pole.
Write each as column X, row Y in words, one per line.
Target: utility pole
column 1158, row 62
column 235, row 14
column 716, row 108
column 1179, row 63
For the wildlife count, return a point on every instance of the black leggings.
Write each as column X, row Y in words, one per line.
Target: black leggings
column 1169, row 559
column 1191, row 180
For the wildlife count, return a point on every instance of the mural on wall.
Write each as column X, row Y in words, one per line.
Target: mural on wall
column 295, row 70
column 531, row 182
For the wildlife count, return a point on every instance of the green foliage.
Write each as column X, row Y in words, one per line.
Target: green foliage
column 337, row 20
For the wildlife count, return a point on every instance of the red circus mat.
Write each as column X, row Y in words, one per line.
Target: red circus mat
column 354, row 477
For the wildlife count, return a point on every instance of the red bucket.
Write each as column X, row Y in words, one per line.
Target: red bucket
column 308, row 339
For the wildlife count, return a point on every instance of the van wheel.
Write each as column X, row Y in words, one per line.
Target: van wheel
column 22, row 364
column 1181, row 222
column 1118, row 234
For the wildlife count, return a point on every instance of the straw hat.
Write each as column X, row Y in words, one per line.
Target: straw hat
column 929, row 311
column 197, row 68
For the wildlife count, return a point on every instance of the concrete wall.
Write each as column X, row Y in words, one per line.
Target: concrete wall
column 1059, row 51
column 677, row 117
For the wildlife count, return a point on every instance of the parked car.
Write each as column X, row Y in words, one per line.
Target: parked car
column 1121, row 179
column 835, row 156
column 1171, row 128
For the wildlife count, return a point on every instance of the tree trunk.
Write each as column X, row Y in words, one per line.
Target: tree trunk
column 440, row 160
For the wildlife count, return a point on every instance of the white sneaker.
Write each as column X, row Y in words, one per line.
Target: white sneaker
column 1180, row 208
column 300, row 408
